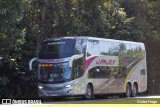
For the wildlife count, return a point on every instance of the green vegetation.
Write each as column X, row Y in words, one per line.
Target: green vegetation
column 25, row 23
column 129, row 101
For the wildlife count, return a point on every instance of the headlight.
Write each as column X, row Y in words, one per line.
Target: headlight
column 67, row 86
column 71, row 84
column 40, row 87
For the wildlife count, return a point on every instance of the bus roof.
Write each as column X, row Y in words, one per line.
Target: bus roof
column 94, row 38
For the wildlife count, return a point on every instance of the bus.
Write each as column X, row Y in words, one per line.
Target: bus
column 90, row 66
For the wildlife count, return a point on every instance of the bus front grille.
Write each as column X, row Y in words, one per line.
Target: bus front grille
column 52, row 88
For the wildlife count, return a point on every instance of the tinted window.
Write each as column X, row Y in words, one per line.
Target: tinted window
column 105, row 48
column 80, row 47
column 107, row 72
column 93, row 48
column 98, row 72
column 114, row 49
column 57, row 49
column 78, row 68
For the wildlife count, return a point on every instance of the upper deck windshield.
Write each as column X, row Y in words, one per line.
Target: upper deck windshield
column 55, row 49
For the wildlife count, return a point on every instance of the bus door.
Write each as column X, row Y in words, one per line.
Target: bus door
column 78, row 71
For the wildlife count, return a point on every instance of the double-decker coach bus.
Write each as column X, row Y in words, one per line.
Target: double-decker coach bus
column 89, row 66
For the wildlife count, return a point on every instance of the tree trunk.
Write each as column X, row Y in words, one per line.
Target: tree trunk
column 40, row 37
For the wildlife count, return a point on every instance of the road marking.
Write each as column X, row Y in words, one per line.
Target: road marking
column 148, row 97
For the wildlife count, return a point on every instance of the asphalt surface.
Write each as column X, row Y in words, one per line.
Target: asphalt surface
column 95, row 100
column 81, row 101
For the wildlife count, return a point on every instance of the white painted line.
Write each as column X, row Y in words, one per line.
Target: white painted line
column 26, row 105
column 148, row 97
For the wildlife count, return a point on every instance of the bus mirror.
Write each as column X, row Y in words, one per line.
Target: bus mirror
column 30, row 63
column 73, row 63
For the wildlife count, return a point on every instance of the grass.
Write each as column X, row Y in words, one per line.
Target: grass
column 128, row 101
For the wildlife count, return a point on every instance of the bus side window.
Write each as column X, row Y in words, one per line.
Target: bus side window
column 104, row 47
column 93, row 48
column 80, row 47
column 98, row 72
column 84, row 45
column 93, row 73
column 143, row 72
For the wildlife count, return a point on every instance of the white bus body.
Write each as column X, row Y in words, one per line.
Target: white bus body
column 89, row 66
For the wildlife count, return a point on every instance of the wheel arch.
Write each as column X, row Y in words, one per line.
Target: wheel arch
column 130, row 84
column 91, row 95
column 91, row 84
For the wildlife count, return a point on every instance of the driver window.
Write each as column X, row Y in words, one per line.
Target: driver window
column 78, row 68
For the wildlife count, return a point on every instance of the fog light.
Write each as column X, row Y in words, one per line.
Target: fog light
column 69, row 91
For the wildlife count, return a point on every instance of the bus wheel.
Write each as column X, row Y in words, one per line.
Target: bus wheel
column 89, row 92
column 128, row 90
column 135, row 90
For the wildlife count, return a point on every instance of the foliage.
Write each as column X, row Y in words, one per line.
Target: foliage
column 25, row 23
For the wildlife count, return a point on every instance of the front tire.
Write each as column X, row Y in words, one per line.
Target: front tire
column 89, row 92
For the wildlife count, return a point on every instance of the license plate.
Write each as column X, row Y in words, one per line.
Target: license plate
column 53, row 94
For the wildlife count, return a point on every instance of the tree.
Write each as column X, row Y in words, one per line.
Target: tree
column 13, row 75
column 140, row 29
column 25, row 24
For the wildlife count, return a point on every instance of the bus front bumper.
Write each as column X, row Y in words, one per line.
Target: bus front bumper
column 50, row 93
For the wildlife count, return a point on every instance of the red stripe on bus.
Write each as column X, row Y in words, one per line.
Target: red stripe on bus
column 88, row 62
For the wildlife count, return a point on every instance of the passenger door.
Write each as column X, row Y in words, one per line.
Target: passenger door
column 78, row 72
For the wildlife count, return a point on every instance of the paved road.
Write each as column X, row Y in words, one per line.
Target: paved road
column 81, row 101
column 97, row 100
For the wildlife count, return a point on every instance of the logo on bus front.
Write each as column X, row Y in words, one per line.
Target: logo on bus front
column 53, row 60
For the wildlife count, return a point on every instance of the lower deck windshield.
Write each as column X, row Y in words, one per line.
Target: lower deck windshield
column 54, row 73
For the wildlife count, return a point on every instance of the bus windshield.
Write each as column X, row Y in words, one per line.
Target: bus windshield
column 55, row 49
column 54, row 73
